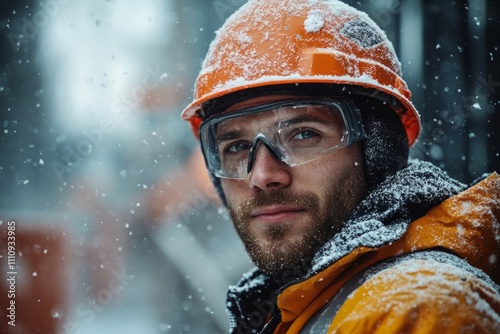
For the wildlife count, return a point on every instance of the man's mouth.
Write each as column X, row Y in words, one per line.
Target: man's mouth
column 276, row 213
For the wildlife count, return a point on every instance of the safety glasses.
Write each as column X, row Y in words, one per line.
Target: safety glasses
column 294, row 131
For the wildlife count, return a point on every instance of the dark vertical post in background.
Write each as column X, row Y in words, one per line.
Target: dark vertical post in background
column 461, row 90
column 445, row 78
column 492, row 76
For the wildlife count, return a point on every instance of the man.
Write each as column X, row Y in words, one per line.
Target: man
column 306, row 124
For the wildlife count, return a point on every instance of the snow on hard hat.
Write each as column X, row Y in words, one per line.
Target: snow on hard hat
column 275, row 42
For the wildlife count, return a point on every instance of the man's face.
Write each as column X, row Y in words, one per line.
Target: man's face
column 285, row 214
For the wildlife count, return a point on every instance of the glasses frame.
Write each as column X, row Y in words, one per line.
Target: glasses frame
column 350, row 114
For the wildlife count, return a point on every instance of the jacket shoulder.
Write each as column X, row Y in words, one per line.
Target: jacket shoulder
column 421, row 296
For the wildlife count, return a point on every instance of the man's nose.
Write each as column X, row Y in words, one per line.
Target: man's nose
column 266, row 170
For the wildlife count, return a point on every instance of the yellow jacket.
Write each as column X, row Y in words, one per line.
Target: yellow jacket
column 425, row 294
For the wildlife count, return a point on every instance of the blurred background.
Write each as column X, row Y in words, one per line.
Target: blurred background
column 117, row 226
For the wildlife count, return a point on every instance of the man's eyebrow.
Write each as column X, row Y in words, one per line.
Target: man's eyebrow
column 308, row 118
column 222, row 136
column 228, row 135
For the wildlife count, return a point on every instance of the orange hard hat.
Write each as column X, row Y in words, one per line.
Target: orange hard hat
column 276, row 42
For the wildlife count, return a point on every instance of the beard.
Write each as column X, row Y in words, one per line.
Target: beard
column 287, row 256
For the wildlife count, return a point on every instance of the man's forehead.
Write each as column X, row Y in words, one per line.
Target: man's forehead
column 262, row 100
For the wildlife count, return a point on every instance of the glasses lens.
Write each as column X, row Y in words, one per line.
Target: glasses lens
column 295, row 131
column 309, row 130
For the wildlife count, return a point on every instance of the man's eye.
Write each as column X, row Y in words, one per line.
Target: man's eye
column 305, row 134
column 237, row 147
